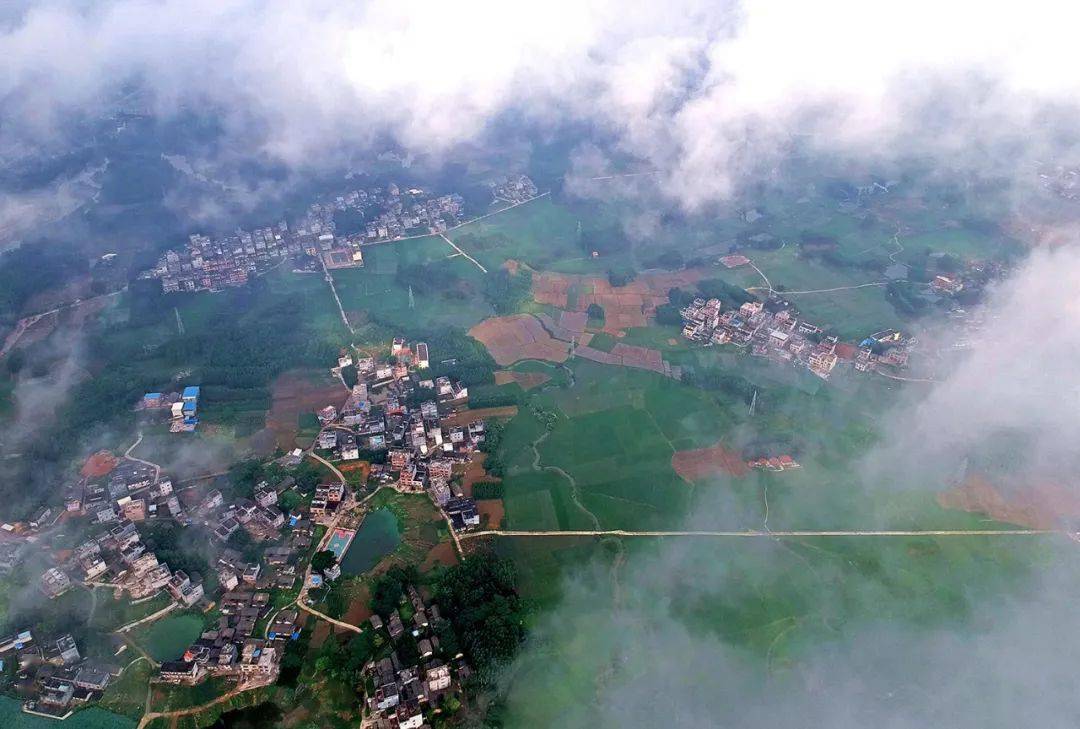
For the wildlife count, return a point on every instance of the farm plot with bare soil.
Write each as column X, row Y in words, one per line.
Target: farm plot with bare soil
column 295, row 394
column 513, row 338
column 701, row 463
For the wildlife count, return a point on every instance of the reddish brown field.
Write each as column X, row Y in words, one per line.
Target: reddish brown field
column 99, row 464
column 624, row 307
column 491, row 511
column 295, row 393
column 702, row 462
column 527, row 380
column 359, row 609
column 440, row 554
column 513, row 338
column 1039, row 506
column 474, row 473
column 465, row 417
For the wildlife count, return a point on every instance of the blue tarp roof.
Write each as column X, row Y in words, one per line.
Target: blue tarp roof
column 192, row 391
column 153, row 396
column 189, row 407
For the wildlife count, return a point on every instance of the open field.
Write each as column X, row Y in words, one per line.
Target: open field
column 626, row 306
column 517, row 337
column 445, row 291
column 297, row 394
column 693, row 465
column 527, row 380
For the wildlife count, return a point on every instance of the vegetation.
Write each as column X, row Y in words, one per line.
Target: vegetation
column 323, row 560
column 730, row 295
column 595, row 313
column 388, row 589
column 487, row 490
column 479, row 595
column 506, row 291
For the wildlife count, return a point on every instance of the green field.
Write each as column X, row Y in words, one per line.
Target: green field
column 446, row 291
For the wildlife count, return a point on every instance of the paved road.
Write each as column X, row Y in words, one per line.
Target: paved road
column 752, row 533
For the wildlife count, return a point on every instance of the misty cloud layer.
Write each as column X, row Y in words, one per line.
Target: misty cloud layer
column 704, row 92
column 887, row 634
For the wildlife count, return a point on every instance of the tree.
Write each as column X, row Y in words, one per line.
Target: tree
column 595, row 313
column 322, row 561
column 621, row 277
column 479, row 595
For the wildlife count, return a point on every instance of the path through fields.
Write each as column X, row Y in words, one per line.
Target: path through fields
column 752, row 533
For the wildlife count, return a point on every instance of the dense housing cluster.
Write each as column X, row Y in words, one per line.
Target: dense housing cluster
column 393, row 407
column 387, row 214
column 514, row 189
column 413, row 678
column 773, row 330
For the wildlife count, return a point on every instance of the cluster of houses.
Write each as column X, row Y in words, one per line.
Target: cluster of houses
column 118, row 558
column 772, row 330
column 182, row 408
column 52, row 675
column 413, row 680
column 231, row 650
column 514, row 189
column 394, row 408
column 211, row 264
column 774, row 463
column 134, row 491
column 391, row 213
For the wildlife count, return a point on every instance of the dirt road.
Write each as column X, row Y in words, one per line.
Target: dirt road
column 752, row 533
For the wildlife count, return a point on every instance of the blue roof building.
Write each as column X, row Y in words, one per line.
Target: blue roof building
column 191, row 393
column 189, row 408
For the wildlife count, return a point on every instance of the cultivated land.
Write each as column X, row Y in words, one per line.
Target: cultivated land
column 605, row 450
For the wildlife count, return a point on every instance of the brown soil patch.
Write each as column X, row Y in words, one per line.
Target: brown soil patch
column 474, row 473
column 517, row 337
column 1038, row 506
column 624, row 307
column 295, row 393
column 320, row 633
column 440, row 554
column 359, row 609
column 351, row 466
column 99, row 464
column 465, row 417
column 702, row 462
column 527, row 380
column 491, row 511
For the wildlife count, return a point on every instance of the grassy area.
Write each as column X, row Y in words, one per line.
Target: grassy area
column 445, row 291
column 127, row 695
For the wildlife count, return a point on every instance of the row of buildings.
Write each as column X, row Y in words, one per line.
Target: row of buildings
column 773, row 330
column 211, row 264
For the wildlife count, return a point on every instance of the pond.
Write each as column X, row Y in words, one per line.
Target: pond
column 13, row 717
column 167, row 638
column 377, row 537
